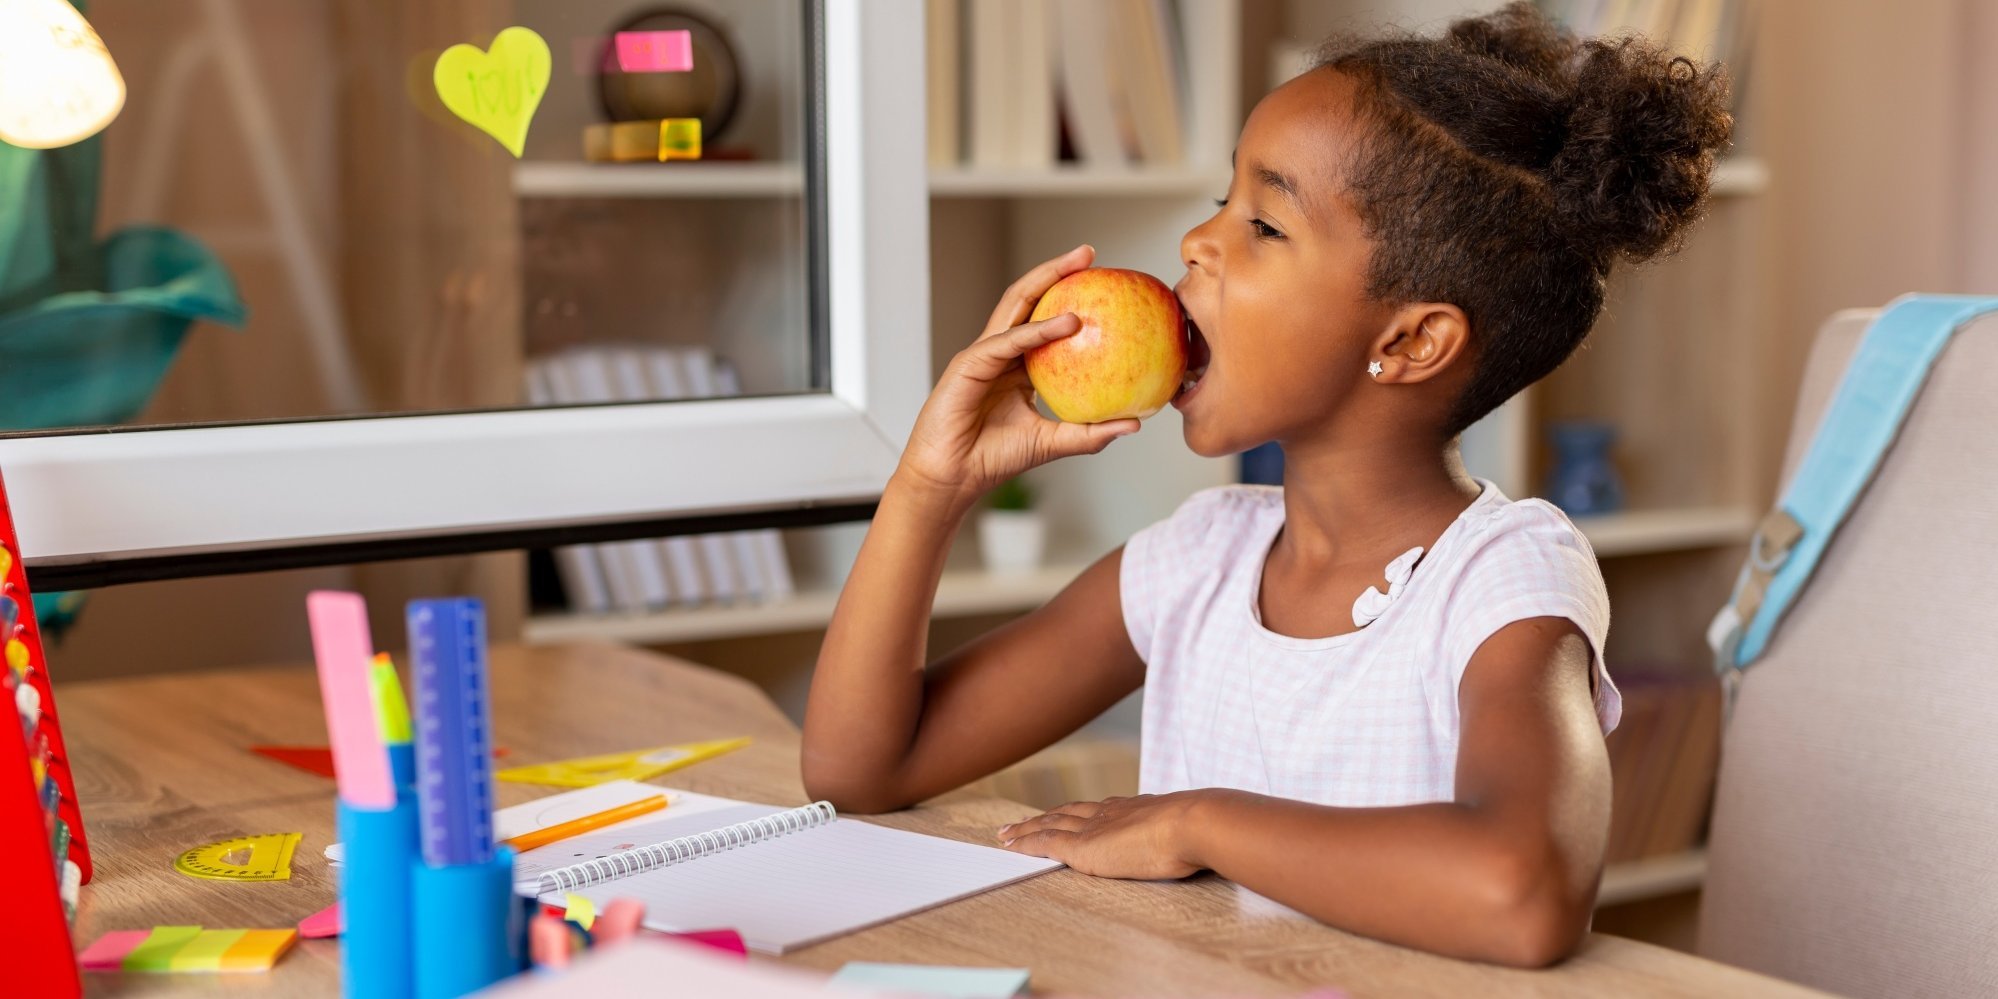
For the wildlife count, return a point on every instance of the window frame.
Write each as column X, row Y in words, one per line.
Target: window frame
column 82, row 498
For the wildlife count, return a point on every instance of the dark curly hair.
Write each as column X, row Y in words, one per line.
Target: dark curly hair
column 1506, row 166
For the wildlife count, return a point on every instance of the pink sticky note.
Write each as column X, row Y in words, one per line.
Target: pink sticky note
column 322, row 924
column 655, row 51
column 341, row 645
column 108, row 953
column 726, row 941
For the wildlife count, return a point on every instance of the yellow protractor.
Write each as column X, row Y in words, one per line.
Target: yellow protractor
column 246, row 858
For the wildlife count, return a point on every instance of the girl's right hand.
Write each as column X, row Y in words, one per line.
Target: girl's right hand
column 979, row 427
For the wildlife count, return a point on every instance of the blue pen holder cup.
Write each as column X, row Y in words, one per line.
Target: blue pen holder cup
column 376, row 947
column 464, row 913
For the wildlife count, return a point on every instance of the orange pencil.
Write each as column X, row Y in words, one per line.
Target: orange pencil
column 576, row 827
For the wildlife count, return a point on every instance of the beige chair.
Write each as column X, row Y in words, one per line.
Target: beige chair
column 1855, row 832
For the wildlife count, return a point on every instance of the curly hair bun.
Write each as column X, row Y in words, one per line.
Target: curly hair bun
column 1508, row 166
column 1642, row 135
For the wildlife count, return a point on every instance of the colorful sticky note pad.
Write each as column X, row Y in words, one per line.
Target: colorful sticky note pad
column 204, row 953
column 187, row 949
column 257, row 950
column 156, row 951
column 108, row 952
column 655, row 51
column 497, row 90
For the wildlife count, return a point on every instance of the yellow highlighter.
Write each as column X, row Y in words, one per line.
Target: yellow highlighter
column 576, row 827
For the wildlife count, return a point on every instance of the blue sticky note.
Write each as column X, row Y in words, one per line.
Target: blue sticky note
column 933, row 980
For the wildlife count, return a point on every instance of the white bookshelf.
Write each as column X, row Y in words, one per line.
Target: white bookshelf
column 1646, row 532
column 972, row 591
column 1732, row 178
column 960, row 593
column 707, row 179
column 1069, row 181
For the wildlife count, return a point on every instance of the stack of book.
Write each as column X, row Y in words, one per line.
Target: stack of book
column 1663, row 756
column 652, row 574
column 1024, row 84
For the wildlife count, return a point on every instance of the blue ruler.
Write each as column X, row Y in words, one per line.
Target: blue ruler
column 454, row 759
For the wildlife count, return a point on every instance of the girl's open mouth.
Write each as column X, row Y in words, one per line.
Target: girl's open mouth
column 1197, row 357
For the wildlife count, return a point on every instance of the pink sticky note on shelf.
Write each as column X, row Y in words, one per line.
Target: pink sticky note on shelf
column 655, row 51
column 108, row 952
column 343, row 649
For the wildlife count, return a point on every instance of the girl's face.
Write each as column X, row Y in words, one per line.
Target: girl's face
column 1275, row 283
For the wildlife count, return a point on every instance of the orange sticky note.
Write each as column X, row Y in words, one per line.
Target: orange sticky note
column 257, row 950
column 204, row 953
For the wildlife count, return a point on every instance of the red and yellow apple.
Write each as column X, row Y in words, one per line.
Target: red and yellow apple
column 1128, row 358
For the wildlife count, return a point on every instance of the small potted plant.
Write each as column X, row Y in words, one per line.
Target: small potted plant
column 1011, row 534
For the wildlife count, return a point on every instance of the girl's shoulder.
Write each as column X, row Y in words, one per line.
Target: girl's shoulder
column 1220, row 515
column 1522, row 526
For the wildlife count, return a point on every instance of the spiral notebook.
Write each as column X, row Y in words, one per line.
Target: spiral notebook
column 783, row 878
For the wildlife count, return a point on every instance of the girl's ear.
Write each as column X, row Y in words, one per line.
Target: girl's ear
column 1422, row 341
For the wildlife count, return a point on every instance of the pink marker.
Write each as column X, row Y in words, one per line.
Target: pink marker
column 341, row 645
column 655, row 51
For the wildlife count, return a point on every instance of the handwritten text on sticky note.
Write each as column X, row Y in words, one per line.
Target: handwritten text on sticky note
column 497, row 90
column 655, row 51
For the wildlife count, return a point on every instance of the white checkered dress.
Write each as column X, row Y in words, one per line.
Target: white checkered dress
column 1363, row 719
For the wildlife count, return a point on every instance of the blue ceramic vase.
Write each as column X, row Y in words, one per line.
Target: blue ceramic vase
column 1584, row 483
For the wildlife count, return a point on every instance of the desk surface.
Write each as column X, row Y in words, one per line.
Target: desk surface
column 161, row 766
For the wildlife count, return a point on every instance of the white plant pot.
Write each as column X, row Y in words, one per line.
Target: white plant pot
column 1012, row 540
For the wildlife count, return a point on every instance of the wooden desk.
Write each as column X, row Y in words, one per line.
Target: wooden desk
column 161, row 766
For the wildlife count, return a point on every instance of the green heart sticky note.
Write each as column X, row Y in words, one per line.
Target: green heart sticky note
column 498, row 89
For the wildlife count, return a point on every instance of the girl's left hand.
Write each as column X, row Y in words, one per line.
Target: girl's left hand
column 1139, row 838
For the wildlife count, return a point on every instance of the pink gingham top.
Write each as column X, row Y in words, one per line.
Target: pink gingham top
column 1367, row 718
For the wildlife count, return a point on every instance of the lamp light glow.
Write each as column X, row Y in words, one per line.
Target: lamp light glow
column 58, row 84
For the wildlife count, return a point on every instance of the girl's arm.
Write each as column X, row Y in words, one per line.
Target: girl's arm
column 1507, row 872
column 881, row 731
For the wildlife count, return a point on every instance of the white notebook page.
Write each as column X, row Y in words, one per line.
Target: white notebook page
column 794, row 890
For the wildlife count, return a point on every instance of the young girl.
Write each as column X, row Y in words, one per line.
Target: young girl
column 1376, row 694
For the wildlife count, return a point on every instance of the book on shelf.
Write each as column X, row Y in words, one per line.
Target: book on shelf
column 650, row 574
column 583, row 376
column 581, row 572
column 943, row 42
column 1149, row 58
column 1114, row 76
column 1089, row 87
column 664, row 375
column 725, row 575
column 1036, row 135
column 989, row 61
column 762, row 550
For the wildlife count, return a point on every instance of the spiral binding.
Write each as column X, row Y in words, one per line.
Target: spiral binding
column 678, row 851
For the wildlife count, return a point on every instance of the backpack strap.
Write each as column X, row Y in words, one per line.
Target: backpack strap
column 1874, row 395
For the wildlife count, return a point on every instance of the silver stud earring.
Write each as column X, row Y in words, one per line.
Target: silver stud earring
column 1374, row 368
